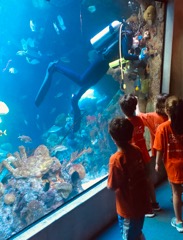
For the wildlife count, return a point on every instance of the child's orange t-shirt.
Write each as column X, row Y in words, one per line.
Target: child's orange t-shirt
column 172, row 147
column 138, row 136
column 130, row 203
column 152, row 120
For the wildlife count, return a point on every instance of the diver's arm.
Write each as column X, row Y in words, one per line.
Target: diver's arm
column 125, row 49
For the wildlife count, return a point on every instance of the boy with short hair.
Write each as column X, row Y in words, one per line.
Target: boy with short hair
column 127, row 177
column 128, row 104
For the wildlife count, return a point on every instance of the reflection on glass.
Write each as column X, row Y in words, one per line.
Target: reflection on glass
column 64, row 66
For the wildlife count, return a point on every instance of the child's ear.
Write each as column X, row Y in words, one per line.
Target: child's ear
column 113, row 140
column 167, row 112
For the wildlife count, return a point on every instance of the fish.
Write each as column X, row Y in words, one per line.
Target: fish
column 31, row 53
column 3, row 133
column 23, row 97
column 32, row 61
column 24, row 44
column 92, row 9
column 25, row 122
column 3, row 153
column 7, row 65
column 56, row 28
column 25, row 139
column 58, row 95
column 54, row 129
column 37, row 125
column 102, row 100
column 30, row 42
column 58, row 148
column 61, row 23
column 13, row 70
column 55, row 3
column 137, row 83
column 52, row 110
column 21, row 53
column 32, row 26
column 3, row 108
column 91, row 119
column 10, row 158
column 65, row 59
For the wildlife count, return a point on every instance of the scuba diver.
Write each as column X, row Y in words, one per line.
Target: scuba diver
column 112, row 43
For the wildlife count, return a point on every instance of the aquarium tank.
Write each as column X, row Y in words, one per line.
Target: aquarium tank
column 64, row 64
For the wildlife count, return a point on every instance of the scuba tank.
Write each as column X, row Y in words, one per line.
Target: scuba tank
column 101, row 39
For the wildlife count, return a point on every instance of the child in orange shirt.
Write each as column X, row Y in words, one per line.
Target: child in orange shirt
column 128, row 104
column 153, row 119
column 127, row 176
column 169, row 146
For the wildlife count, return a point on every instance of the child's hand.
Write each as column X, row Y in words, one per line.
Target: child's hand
column 157, row 167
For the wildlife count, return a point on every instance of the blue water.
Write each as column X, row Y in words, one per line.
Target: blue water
column 18, row 90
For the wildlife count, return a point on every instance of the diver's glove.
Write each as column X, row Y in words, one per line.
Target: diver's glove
column 143, row 54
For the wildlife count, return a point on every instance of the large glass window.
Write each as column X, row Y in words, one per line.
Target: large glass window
column 64, row 64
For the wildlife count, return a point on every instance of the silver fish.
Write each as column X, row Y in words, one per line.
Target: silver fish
column 58, row 95
column 54, row 129
column 92, row 9
column 58, row 148
column 61, row 23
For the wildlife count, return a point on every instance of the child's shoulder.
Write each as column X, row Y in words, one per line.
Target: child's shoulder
column 135, row 118
column 131, row 148
column 135, row 150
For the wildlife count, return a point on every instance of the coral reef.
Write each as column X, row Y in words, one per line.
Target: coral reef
column 63, row 188
column 78, row 168
column 1, row 189
column 9, row 198
column 34, row 166
column 27, row 195
column 150, row 14
column 33, row 211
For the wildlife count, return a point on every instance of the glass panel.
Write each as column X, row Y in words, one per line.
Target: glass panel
column 60, row 81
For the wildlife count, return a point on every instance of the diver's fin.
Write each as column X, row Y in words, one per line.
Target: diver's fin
column 77, row 121
column 77, row 113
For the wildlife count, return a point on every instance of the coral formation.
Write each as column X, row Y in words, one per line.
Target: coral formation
column 34, row 166
column 1, row 189
column 9, row 198
column 150, row 14
column 63, row 188
column 78, row 168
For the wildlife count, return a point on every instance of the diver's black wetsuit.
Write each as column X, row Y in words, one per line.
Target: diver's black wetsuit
column 96, row 70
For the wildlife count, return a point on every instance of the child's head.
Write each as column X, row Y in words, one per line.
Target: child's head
column 174, row 109
column 121, row 130
column 128, row 104
column 160, row 103
column 170, row 103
